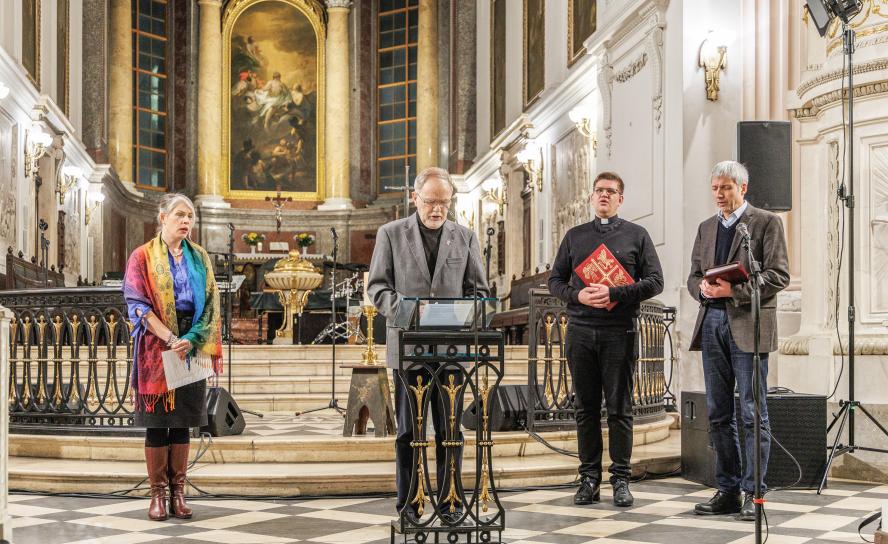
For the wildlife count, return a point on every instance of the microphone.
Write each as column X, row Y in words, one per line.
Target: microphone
column 743, row 230
column 333, row 232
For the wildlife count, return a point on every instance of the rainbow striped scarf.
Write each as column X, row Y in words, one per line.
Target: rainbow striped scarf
column 149, row 281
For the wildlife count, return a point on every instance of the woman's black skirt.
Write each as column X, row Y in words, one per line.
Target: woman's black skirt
column 191, row 405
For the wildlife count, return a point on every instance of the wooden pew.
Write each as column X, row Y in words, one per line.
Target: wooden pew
column 513, row 321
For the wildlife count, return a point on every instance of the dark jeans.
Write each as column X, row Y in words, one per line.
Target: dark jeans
column 405, row 412
column 602, row 359
column 723, row 365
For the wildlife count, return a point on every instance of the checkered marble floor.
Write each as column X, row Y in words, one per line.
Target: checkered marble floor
column 663, row 514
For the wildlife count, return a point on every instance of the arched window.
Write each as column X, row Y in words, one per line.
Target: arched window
column 398, row 27
column 150, row 54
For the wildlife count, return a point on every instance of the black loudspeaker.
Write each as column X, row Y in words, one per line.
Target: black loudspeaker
column 508, row 409
column 765, row 148
column 798, row 422
column 224, row 418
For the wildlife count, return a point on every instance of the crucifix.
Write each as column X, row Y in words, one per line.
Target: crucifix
column 278, row 203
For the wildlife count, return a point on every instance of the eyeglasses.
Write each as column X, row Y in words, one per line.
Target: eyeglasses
column 435, row 203
column 601, row 191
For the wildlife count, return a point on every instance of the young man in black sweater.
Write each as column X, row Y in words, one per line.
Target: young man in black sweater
column 600, row 343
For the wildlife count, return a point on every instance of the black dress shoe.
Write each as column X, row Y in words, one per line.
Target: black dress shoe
column 589, row 491
column 451, row 518
column 409, row 517
column 622, row 496
column 720, row 503
column 747, row 511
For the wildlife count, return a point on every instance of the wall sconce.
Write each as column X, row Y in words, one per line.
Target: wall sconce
column 94, row 200
column 494, row 196
column 468, row 219
column 531, row 157
column 71, row 176
column 713, row 59
column 581, row 116
column 4, row 91
column 36, row 144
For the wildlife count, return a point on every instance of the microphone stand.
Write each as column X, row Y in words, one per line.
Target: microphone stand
column 756, row 282
column 333, row 403
column 229, row 270
column 488, row 249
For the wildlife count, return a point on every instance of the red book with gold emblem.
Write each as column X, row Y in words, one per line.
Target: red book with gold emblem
column 602, row 267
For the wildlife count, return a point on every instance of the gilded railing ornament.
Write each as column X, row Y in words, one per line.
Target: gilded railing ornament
column 419, row 498
column 484, row 496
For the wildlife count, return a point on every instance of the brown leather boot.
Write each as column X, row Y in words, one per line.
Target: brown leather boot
column 157, row 461
column 178, row 469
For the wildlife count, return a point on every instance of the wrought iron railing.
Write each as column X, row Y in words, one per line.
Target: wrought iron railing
column 550, row 405
column 70, row 359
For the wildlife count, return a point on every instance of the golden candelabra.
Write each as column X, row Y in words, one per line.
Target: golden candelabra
column 370, row 357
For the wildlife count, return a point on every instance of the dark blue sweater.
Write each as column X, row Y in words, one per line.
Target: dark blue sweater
column 632, row 246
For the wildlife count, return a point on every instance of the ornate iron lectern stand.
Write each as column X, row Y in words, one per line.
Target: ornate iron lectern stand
column 454, row 367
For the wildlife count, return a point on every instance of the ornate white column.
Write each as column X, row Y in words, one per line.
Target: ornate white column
column 427, row 86
column 209, row 105
column 120, row 100
column 337, row 145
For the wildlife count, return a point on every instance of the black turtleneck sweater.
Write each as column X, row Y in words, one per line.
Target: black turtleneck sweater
column 632, row 246
column 431, row 240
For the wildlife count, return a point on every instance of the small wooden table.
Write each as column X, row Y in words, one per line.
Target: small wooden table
column 369, row 397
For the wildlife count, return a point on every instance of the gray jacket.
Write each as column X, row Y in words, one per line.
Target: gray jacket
column 769, row 249
column 399, row 269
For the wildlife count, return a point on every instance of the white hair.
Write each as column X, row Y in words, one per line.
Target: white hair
column 433, row 172
column 170, row 201
column 732, row 170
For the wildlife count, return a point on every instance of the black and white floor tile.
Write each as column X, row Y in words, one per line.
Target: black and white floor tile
column 663, row 514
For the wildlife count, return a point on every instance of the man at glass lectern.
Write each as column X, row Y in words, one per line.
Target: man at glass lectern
column 604, row 269
column 423, row 255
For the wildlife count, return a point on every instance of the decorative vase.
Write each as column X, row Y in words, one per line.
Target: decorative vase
column 253, row 249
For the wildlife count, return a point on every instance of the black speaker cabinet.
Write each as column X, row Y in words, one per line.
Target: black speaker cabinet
column 224, row 418
column 508, row 409
column 764, row 147
column 798, row 422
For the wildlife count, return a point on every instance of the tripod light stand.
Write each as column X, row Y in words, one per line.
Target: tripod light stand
column 823, row 12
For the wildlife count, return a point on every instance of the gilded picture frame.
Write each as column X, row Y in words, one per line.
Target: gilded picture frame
column 534, row 80
column 31, row 40
column 582, row 21
column 273, row 99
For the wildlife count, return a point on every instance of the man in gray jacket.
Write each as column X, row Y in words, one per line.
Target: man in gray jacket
column 724, row 332
column 423, row 255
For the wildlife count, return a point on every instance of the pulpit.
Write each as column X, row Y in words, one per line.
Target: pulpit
column 448, row 356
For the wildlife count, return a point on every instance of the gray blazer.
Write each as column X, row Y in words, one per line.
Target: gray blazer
column 769, row 249
column 399, row 269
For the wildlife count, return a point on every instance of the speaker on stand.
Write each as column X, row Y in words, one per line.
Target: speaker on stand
column 765, row 148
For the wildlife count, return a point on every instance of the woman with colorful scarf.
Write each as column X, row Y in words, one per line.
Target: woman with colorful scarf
column 173, row 304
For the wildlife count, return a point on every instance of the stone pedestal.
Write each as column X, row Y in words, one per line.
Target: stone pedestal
column 369, row 397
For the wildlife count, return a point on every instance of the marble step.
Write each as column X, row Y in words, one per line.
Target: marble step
column 311, row 479
column 273, row 446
